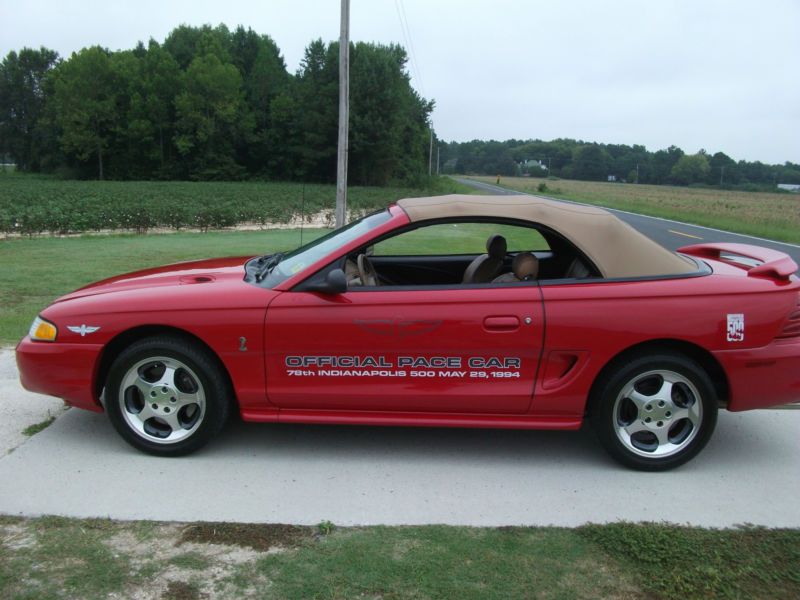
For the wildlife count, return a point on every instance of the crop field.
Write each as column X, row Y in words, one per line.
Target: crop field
column 31, row 205
column 774, row 216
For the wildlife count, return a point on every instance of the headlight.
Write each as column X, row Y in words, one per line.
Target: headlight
column 42, row 331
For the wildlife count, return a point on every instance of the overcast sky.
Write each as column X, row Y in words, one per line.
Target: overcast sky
column 720, row 75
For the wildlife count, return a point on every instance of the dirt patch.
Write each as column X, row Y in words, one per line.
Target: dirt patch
column 259, row 537
column 15, row 536
column 180, row 590
column 173, row 567
column 321, row 219
column 158, row 543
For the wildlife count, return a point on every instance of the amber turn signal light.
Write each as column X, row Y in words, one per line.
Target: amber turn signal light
column 42, row 331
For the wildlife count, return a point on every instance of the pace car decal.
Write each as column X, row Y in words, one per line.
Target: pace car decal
column 736, row 328
column 454, row 367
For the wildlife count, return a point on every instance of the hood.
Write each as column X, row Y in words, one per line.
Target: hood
column 195, row 272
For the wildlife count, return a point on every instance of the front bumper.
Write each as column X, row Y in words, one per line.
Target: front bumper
column 66, row 371
column 762, row 377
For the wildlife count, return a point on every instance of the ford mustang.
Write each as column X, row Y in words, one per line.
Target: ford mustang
column 453, row 311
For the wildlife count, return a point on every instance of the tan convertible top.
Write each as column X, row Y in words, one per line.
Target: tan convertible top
column 615, row 247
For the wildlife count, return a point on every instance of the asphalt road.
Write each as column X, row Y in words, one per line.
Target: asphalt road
column 749, row 473
column 670, row 234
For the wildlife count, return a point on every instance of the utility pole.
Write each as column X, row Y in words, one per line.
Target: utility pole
column 430, row 155
column 637, row 172
column 344, row 116
column 438, row 148
column 721, row 174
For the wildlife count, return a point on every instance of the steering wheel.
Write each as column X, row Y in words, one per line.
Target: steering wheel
column 367, row 272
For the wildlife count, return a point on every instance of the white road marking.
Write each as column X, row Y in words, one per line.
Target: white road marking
column 689, row 235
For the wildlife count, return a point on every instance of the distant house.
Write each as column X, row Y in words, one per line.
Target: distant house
column 612, row 177
column 532, row 162
column 789, row 187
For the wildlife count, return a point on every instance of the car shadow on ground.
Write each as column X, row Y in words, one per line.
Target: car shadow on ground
column 402, row 444
column 740, row 440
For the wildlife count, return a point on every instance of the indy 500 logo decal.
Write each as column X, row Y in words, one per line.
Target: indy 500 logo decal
column 736, row 328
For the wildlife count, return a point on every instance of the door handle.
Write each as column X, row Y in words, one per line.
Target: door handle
column 501, row 323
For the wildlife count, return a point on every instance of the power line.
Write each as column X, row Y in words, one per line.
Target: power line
column 406, row 31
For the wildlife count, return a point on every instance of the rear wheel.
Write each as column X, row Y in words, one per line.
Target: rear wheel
column 165, row 396
column 654, row 413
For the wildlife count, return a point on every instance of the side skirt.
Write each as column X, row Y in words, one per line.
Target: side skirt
column 337, row 417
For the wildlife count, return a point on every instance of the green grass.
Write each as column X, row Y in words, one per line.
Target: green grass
column 445, row 562
column 53, row 557
column 33, row 272
column 773, row 216
column 685, row 562
column 193, row 561
column 459, row 238
column 37, row 427
column 58, row 558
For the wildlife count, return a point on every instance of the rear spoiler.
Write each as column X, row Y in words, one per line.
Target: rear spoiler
column 773, row 264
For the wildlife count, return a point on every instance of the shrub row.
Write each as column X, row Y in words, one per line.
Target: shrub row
column 30, row 205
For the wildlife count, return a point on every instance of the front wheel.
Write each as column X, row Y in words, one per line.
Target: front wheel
column 165, row 396
column 654, row 413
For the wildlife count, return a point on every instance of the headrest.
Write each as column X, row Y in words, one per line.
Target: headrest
column 496, row 246
column 525, row 266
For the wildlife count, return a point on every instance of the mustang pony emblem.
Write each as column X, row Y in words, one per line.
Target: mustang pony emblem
column 82, row 329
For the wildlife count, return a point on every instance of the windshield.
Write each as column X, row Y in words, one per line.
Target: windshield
column 295, row 261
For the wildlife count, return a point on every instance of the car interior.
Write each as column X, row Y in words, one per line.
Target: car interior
column 505, row 262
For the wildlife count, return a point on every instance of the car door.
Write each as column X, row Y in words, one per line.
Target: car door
column 439, row 349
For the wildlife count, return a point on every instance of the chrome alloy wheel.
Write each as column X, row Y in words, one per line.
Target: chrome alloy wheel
column 657, row 413
column 162, row 400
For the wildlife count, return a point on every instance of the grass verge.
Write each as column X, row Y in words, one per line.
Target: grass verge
column 772, row 216
column 684, row 562
column 53, row 557
column 33, row 272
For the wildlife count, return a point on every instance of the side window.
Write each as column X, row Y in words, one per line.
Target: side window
column 459, row 238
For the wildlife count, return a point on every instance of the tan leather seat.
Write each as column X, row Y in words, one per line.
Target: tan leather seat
column 486, row 266
column 524, row 267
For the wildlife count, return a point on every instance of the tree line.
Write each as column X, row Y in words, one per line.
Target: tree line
column 208, row 104
column 576, row 159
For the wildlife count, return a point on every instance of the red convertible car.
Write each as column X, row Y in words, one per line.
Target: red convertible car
column 453, row 311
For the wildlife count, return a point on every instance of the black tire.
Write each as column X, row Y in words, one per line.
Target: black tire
column 655, row 412
column 197, row 403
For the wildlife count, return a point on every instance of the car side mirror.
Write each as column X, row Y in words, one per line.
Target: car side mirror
column 335, row 283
